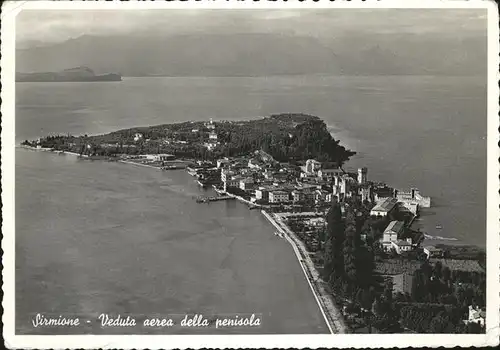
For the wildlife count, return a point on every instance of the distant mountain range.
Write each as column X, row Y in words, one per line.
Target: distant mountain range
column 260, row 55
column 72, row 74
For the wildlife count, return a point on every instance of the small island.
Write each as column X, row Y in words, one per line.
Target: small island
column 77, row 74
column 370, row 270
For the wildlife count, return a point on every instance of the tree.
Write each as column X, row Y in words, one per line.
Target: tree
column 365, row 265
column 418, row 286
column 438, row 269
column 329, row 260
column 368, row 297
column 334, row 245
column 446, row 274
column 388, row 287
column 350, row 261
column 438, row 325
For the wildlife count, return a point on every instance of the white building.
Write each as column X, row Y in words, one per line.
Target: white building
column 159, row 157
column 410, row 206
column 255, row 164
column 312, row 166
column 298, row 195
column 137, row 137
column 321, row 195
column 329, row 197
column 402, row 246
column 329, row 173
column 476, row 315
column 362, row 175
column 233, row 182
column 262, row 193
column 391, row 233
column 342, row 186
column 433, row 252
column 226, row 174
column 212, row 136
column 222, row 162
column 413, row 196
column 210, row 125
column 278, row 196
column 384, row 207
column 210, row 145
column 366, row 194
column 246, row 183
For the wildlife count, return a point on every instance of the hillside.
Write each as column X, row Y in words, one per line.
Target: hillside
column 259, row 55
column 287, row 137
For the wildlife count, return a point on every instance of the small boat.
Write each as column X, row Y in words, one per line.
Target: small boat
column 439, row 227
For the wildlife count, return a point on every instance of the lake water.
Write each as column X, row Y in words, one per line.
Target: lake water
column 96, row 237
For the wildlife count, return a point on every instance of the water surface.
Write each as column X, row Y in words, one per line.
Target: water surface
column 94, row 236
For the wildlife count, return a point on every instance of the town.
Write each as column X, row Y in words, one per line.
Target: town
column 300, row 198
column 369, row 268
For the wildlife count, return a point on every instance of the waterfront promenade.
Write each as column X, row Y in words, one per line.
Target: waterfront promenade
column 326, row 304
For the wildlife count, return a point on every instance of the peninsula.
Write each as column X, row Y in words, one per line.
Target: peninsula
column 368, row 268
column 77, row 74
column 287, row 137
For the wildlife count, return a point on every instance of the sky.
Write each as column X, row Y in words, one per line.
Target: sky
column 35, row 27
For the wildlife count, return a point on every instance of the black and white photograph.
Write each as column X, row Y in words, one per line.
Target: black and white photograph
column 229, row 168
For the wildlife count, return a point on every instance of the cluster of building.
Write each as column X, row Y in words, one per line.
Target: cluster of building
column 267, row 181
column 213, row 141
column 160, row 157
column 391, row 238
column 388, row 199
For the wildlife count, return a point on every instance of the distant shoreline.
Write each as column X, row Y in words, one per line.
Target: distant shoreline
column 77, row 74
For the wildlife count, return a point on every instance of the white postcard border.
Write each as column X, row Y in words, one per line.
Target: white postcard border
column 11, row 9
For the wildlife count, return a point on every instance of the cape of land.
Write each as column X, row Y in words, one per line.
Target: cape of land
column 368, row 269
column 77, row 74
column 286, row 137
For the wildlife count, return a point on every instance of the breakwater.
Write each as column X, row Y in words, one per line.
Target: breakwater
column 213, row 199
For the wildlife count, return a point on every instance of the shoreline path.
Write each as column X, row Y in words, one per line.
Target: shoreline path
column 326, row 304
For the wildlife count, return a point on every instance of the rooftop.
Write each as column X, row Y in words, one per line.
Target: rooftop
column 402, row 243
column 385, row 205
column 432, row 248
column 279, row 192
column 396, row 226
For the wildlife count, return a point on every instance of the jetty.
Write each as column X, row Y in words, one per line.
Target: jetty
column 213, row 199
